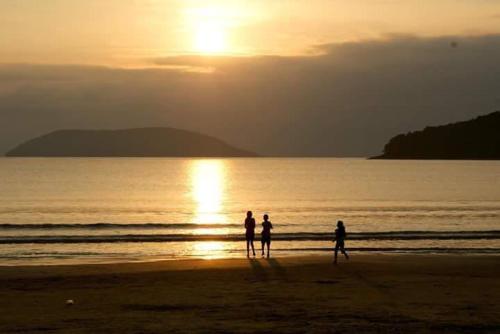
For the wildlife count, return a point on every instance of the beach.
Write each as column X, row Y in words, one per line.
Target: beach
column 369, row 293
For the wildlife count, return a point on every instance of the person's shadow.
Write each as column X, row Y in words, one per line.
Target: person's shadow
column 277, row 268
column 259, row 271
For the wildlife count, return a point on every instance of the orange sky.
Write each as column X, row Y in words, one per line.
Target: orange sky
column 125, row 32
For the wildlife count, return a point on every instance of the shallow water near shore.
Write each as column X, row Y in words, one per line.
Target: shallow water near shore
column 129, row 209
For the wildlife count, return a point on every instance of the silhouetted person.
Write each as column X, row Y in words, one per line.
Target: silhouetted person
column 250, row 232
column 340, row 235
column 266, row 234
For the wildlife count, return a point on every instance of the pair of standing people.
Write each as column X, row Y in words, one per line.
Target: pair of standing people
column 267, row 226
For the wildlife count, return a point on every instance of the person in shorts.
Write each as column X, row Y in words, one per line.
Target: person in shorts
column 267, row 226
column 250, row 232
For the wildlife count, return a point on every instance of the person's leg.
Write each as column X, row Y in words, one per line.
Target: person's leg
column 342, row 249
column 345, row 253
column 268, row 247
column 262, row 242
column 253, row 248
column 248, row 248
column 336, row 251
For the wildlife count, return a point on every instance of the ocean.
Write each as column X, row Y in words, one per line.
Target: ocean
column 100, row 210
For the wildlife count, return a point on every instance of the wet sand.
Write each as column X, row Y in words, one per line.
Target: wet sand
column 370, row 293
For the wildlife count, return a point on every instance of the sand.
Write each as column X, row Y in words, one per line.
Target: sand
column 370, row 293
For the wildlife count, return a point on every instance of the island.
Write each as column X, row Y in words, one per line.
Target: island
column 141, row 142
column 476, row 139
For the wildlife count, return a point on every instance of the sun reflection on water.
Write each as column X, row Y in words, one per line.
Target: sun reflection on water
column 207, row 180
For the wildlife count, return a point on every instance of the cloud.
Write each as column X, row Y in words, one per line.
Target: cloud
column 348, row 99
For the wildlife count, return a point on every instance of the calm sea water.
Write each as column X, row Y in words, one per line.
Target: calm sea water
column 122, row 209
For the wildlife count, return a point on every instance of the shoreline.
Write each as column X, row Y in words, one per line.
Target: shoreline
column 365, row 252
column 179, row 264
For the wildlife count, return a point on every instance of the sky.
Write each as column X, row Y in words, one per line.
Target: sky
column 123, row 32
column 280, row 77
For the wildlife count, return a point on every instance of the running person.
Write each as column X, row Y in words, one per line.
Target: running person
column 266, row 234
column 340, row 235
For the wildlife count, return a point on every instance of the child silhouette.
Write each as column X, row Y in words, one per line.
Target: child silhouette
column 267, row 226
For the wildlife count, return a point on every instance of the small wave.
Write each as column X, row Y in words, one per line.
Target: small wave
column 105, row 226
column 426, row 250
column 301, row 236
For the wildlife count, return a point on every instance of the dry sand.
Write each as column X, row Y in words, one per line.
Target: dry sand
column 370, row 293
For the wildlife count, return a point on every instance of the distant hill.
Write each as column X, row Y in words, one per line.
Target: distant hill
column 476, row 139
column 144, row 142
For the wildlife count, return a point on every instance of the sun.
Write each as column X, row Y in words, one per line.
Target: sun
column 211, row 27
column 210, row 38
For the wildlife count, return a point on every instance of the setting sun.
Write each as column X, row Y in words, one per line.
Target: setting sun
column 210, row 38
column 211, row 28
